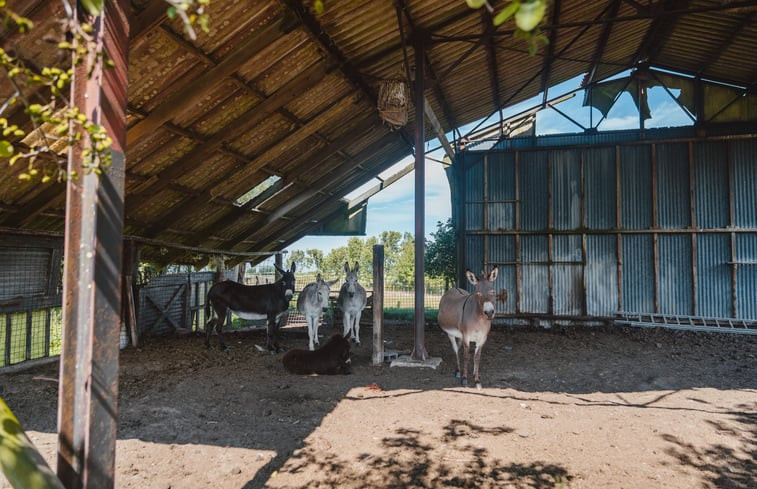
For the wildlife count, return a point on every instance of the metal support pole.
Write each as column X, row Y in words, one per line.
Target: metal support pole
column 419, row 352
column 88, row 393
column 378, row 304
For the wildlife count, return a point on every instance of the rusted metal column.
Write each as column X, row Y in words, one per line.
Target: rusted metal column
column 419, row 351
column 87, row 408
column 378, row 304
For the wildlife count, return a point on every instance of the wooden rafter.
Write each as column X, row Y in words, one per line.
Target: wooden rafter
column 659, row 30
column 718, row 50
column 546, row 71
column 491, row 56
column 599, row 51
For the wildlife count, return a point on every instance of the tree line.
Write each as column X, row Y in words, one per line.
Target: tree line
column 399, row 257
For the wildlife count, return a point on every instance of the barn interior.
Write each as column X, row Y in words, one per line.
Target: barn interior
column 239, row 142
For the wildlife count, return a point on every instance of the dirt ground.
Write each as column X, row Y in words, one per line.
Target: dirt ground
column 608, row 407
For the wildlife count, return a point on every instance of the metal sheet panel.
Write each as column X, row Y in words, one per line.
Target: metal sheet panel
column 711, row 185
column 676, row 286
column 566, row 188
column 601, row 275
column 600, row 195
column 501, row 191
column 635, row 187
column 534, row 210
column 744, row 157
column 502, row 249
column 474, row 256
column 673, row 196
column 474, row 186
column 638, row 273
column 713, row 275
column 567, row 274
column 535, row 274
column 746, row 276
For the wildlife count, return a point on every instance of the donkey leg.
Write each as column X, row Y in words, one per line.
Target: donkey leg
column 456, row 348
column 356, row 327
column 347, row 323
column 316, row 325
column 466, row 359
column 476, row 360
column 312, row 333
column 219, row 329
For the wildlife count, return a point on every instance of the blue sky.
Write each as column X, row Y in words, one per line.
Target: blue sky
column 393, row 207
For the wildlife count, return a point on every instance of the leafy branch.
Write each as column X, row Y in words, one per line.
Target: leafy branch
column 528, row 15
column 56, row 125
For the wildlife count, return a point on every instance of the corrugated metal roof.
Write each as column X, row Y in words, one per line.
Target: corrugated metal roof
column 274, row 89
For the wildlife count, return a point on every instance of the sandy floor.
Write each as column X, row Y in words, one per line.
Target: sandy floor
column 567, row 408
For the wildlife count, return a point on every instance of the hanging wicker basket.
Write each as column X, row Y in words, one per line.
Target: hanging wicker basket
column 393, row 102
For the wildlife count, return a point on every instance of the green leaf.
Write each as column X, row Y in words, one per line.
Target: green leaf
column 6, row 149
column 318, row 6
column 93, row 7
column 506, row 13
column 475, row 3
column 171, row 12
column 530, row 14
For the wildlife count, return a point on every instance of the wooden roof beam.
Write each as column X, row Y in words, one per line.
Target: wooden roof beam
column 659, row 30
column 491, row 56
column 599, row 51
column 328, row 46
column 546, row 72
column 718, row 51
column 234, row 129
column 173, row 104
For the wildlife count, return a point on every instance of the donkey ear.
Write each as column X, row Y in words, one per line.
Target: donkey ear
column 280, row 270
column 294, row 267
column 357, row 267
column 471, row 277
column 332, row 282
column 347, row 267
column 318, row 278
column 493, row 274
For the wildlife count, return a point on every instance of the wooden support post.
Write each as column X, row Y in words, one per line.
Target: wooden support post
column 378, row 304
column 88, row 392
column 419, row 351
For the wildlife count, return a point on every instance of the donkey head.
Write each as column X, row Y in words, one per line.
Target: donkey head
column 351, row 278
column 484, row 291
column 286, row 282
column 322, row 291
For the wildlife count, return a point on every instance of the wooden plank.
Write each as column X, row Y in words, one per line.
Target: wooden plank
column 233, row 130
column 378, row 304
column 177, row 101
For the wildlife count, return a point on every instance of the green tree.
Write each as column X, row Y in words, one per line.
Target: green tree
column 440, row 259
column 404, row 270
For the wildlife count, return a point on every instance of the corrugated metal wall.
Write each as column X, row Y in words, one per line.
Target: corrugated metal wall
column 594, row 226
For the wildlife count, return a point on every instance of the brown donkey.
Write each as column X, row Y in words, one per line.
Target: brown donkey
column 467, row 317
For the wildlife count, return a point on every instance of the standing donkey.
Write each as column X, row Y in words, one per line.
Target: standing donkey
column 467, row 317
column 352, row 301
column 312, row 302
column 269, row 301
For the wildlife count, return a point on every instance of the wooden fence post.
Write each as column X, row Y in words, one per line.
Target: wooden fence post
column 378, row 304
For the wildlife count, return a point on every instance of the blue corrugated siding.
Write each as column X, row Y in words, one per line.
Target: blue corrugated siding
column 746, row 276
column 474, row 191
column 599, row 173
column 474, row 256
column 673, row 196
column 501, row 187
column 711, row 185
column 744, row 157
column 533, row 190
column 676, row 286
column 638, row 273
column 567, row 279
column 713, row 275
column 502, row 249
column 601, row 275
column 635, row 187
column 535, row 277
column 566, row 189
